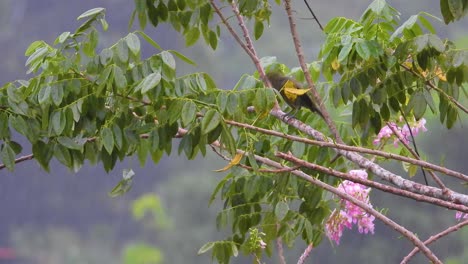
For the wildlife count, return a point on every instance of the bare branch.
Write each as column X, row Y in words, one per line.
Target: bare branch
column 20, row 159
column 330, row 144
column 376, row 169
column 373, row 184
column 434, row 238
column 279, row 248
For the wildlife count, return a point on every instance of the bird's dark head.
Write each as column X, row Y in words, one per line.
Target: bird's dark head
column 277, row 79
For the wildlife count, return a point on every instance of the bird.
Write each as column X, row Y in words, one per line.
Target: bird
column 293, row 93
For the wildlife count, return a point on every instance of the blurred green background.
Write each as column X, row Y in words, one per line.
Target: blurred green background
column 63, row 217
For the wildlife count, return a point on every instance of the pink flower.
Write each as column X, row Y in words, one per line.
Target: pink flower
column 262, row 244
column 459, row 215
column 350, row 213
column 405, row 131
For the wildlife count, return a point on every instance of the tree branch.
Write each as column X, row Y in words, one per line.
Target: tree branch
column 373, row 184
column 305, row 254
column 249, row 49
column 335, row 145
column 376, row 169
column 415, row 154
column 434, row 238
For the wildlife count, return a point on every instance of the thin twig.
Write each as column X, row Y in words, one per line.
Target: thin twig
column 279, row 248
column 20, row 159
column 413, row 140
column 313, row 14
column 310, row 83
column 434, row 238
column 305, row 254
column 250, row 52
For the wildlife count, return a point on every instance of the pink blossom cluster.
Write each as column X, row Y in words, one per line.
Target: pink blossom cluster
column 349, row 213
column 386, row 131
column 460, row 215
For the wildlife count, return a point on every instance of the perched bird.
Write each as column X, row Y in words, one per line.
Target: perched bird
column 293, row 93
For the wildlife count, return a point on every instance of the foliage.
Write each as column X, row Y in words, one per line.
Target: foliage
column 142, row 254
column 103, row 105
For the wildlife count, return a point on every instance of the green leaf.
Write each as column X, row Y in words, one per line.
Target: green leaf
column 105, row 56
column 346, row 92
column 192, row 36
column 107, row 139
column 58, row 122
column 344, row 52
column 419, row 105
column 142, row 19
column 122, row 51
column 189, row 111
column 119, row 78
column 8, row 157
column 76, row 143
column 162, row 11
column 228, row 140
column 149, row 40
column 258, row 29
column 456, row 8
column 356, row 113
column 426, row 24
column 118, row 137
column 61, row 39
column 62, row 154
column 174, row 110
column 445, row 10
column 168, row 59
column 232, row 104
column 57, row 94
column 38, row 54
column 363, row 50
column 221, row 101
column 210, row 121
column 213, row 39
column 104, row 24
column 43, row 153
column 281, row 209
column 149, row 82
column 91, row 12
column 208, row 246
column 133, row 43
column 260, row 101
column 234, row 250
column 355, row 87
column 121, row 188
column 34, row 46
column 182, row 57
column 44, row 95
